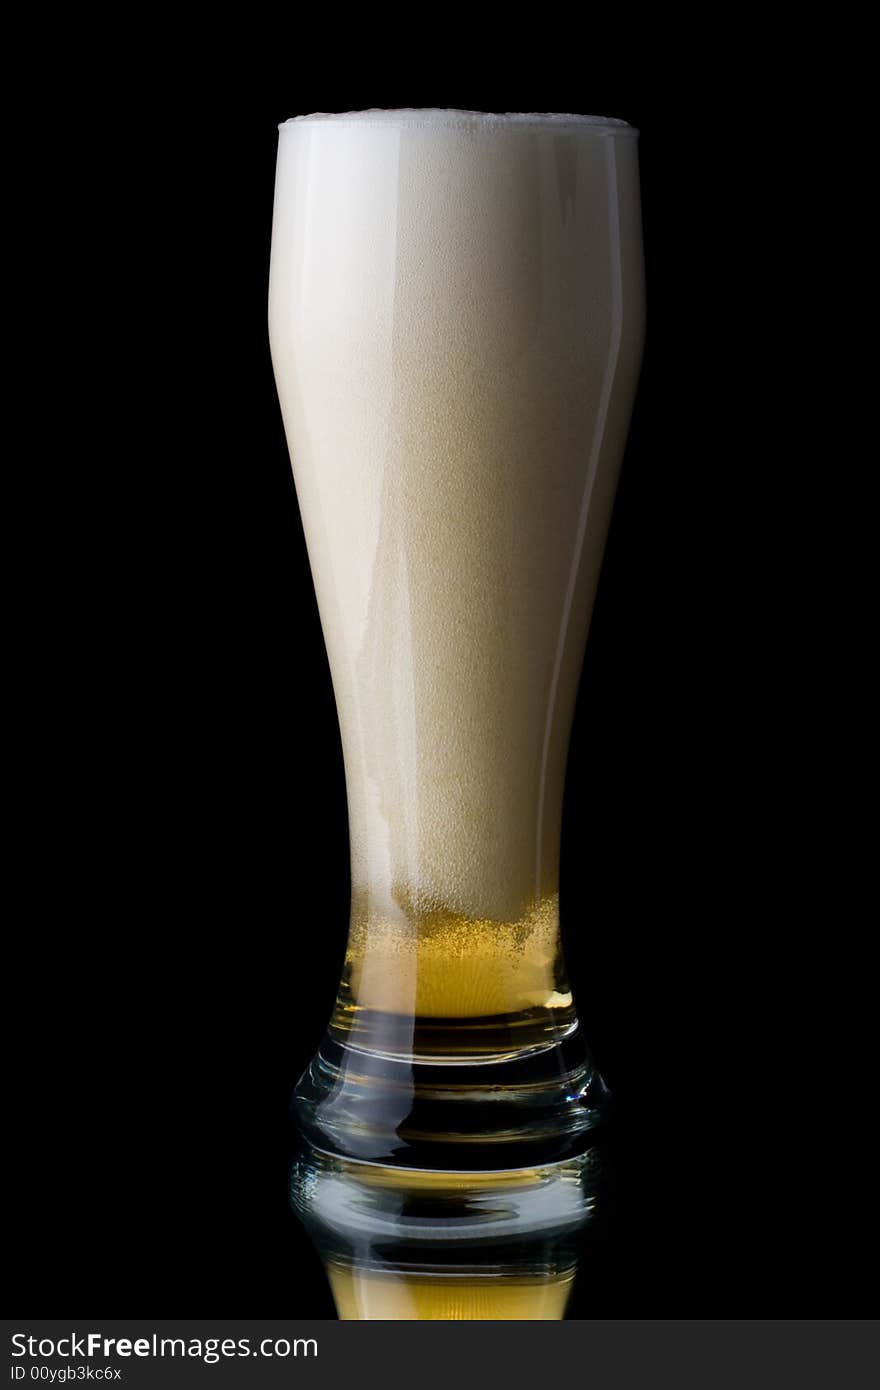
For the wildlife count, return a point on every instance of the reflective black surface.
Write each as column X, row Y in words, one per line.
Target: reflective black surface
column 443, row 1245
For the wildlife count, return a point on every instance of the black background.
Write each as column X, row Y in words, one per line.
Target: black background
column 180, row 828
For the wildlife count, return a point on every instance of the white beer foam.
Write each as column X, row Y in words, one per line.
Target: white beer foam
column 412, row 115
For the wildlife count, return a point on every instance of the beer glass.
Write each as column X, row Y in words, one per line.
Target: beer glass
column 456, row 310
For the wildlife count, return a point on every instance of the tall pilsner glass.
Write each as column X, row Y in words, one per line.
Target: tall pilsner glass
column 456, row 314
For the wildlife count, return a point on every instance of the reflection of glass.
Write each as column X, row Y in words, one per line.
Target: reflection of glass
column 413, row 1244
column 455, row 317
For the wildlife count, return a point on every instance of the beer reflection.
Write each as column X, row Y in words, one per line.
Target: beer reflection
column 413, row 1244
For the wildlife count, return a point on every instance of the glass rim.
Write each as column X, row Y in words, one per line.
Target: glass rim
column 453, row 116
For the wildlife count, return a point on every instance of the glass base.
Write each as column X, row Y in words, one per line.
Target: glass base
column 471, row 1109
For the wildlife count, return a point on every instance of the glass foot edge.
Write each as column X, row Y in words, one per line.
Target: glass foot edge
column 514, row 1113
